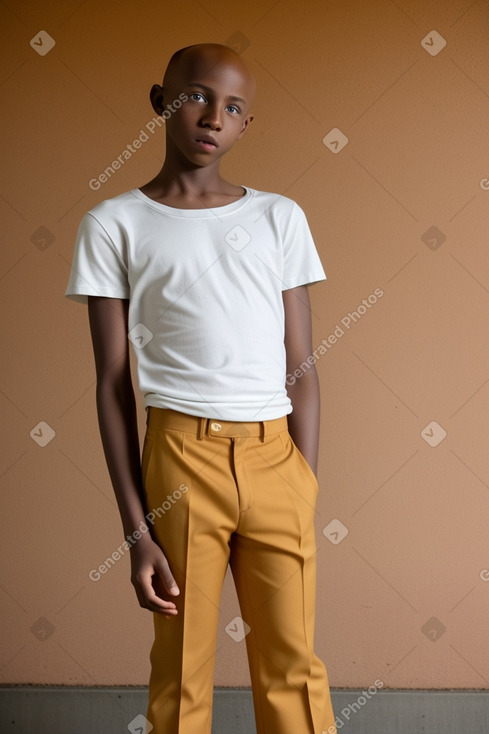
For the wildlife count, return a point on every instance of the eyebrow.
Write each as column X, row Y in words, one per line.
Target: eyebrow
column 231, row 97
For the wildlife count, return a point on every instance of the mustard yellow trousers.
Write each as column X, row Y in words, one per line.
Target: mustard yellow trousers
column 220, row 492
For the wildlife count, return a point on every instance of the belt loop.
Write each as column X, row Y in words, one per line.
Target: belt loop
column 262, row 431
column 202, row 428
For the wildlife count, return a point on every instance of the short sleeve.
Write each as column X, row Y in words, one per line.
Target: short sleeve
column 302, row 265
column 98, row 267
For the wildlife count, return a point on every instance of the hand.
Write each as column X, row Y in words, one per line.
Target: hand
column 152, row 578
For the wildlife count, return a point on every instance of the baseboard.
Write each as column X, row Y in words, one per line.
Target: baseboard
column 114, row 710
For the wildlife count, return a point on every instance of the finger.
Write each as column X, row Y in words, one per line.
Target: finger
column 167, row 578
column 148, row 595
column 148, row 599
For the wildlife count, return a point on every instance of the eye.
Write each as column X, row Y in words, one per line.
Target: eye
column 234, row 109
column 197, row 96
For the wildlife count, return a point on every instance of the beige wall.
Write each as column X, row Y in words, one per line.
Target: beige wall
column 417, row 158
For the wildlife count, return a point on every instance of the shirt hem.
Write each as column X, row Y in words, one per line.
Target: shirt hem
column 81, row 296
column 304, row 280
column 223, row 412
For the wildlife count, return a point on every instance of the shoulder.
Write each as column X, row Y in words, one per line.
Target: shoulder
column 271, row 200
column 277, row 207
column 118, row 206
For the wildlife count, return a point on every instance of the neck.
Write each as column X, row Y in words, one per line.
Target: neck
column 181, row 176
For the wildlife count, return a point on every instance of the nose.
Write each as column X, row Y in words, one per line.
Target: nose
column 212, row 117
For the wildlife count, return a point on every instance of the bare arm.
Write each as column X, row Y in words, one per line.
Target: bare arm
column 303, row 391
column 116, row 408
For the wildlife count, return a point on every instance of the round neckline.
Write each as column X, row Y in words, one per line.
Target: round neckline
column 203, row 213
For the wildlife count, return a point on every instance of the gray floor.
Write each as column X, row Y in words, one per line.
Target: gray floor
column 53, row 710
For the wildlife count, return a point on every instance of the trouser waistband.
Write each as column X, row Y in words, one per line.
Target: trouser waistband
column 200, row 426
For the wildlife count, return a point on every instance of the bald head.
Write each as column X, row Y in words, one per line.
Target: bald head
column 205, row 62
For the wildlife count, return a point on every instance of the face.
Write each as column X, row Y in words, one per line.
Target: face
column 219, row 90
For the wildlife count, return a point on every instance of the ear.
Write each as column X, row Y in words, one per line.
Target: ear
column 156, row 99
column 247, row 122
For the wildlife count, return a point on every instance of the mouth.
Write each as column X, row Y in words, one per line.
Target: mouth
column 207, row 142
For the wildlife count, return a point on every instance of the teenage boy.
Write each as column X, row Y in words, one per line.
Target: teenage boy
column 209, row 281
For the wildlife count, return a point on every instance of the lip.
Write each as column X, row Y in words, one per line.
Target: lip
column 207, row 141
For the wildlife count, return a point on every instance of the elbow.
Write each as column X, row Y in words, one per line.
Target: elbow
column 302, row 376
column 304, row 389
column 110, row 390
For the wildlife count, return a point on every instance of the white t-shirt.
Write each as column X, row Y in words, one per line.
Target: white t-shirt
column 206, row 316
